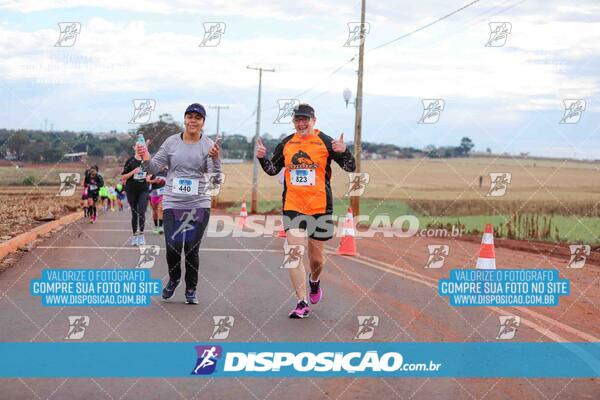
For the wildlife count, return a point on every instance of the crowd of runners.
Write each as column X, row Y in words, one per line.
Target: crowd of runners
column 174, row 180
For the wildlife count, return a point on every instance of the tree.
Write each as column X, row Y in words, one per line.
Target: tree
column 17, row 144
column 158, row 132
column 466, row 144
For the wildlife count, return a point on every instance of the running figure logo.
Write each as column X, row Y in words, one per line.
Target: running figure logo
column 214, row 180
column 207, row 359
column 286, row 110
column 366, row 326
column 432, row 109
column 574, row 109
column 142, row 110
column 357, row 183
column 68, row 34
column 223, row 324
column 508, row 326
column 499, row 32
column 579, row 255
column 357, row 33
column 437, row 255
column 293, row 255
column 213, row 31
column 185, row 224
column 68, row 183
column 77, row 326
column 499, row 183
column 148, row 254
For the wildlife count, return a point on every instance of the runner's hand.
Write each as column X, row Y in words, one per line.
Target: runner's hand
column 261, row 150
column 142, row 151
column 338, row 145
column 216, row 149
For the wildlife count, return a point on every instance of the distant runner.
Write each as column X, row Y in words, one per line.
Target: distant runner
column 136, row 186
column 157, row 190
column 93, row 182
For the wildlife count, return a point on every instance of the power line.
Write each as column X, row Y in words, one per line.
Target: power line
column 426, row 26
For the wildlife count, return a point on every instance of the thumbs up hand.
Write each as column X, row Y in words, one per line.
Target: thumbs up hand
column 338, row 145
column 261, row 150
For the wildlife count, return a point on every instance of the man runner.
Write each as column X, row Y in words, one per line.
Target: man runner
column 307, row 199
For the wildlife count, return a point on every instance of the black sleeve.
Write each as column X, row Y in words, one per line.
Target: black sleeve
column 100, row 180
column 275, row 164
column 127, row 167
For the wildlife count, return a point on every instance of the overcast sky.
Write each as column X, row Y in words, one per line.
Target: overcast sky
column 507, row 97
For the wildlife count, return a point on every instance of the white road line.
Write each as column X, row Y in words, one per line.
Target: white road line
column 431, row 282
column 162, row 248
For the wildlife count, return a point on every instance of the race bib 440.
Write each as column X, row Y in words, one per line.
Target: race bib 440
column 185, row 186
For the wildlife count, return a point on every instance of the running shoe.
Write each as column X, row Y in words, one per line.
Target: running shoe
column 141, row 240
column 155, row 231
column 301, row 311
column 161, row 230
column 168, row 291
column 315, row 291
column 134, row 240
column 190, row 296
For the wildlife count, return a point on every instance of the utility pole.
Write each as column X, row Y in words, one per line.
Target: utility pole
column 254, row 204
column 355, row 200
column 218, row 114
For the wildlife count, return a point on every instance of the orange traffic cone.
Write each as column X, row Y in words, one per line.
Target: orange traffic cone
column 487, row 255
column 347, row 244
column 281, row 229
column 243, row 215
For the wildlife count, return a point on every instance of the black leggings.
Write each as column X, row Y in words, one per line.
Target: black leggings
column 138, row 201
column 183, row 231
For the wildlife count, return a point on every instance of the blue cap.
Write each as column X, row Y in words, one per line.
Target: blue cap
column 196, row 108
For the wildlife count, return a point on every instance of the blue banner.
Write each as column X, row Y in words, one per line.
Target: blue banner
column 504, row 287
column 300, row 359
column 95, row 287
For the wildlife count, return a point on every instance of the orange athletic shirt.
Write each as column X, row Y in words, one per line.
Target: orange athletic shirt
column 307, row 162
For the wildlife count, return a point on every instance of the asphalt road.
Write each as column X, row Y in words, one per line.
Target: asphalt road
column 242, row 278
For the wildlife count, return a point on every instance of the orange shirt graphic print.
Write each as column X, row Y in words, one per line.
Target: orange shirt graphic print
column 305, row 159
